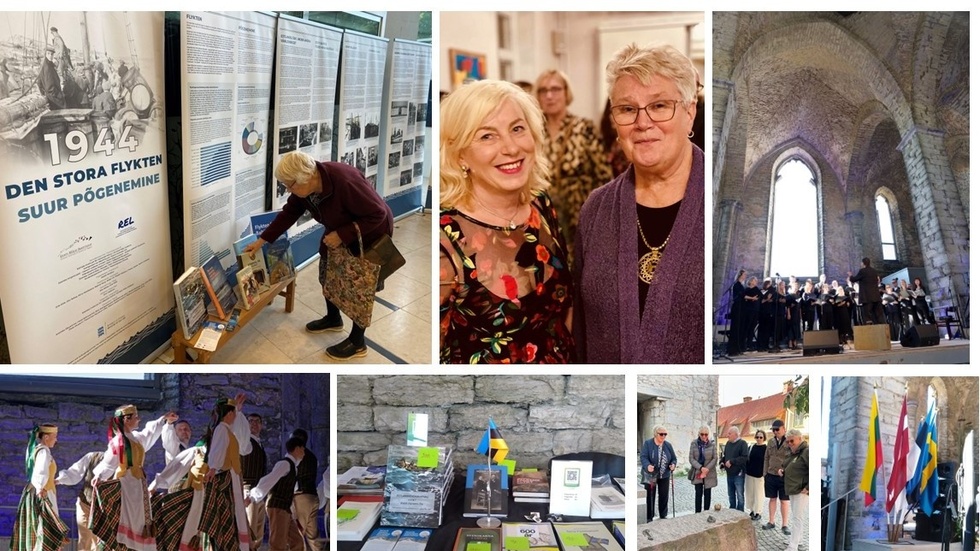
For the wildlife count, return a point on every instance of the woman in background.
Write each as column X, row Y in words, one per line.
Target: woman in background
column 572, row 147
column 755, row 491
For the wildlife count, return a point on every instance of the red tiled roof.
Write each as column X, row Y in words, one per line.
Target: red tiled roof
column 743, row 414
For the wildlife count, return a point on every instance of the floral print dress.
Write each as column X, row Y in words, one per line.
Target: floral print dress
column 510, row 291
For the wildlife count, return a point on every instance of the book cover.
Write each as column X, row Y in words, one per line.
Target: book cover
column 255, row 262
column 486, row 491
column 571, row 488
column 607, row 503
column 362, row 480
column 585, row 536
column 412, row 539
column 239, row 246
column 482, row 539
column 530, row 484
column 279, row 260
column 355, row 518
column 221, row 293
column 382, row 539
column 417, row 482
column 523, row 536
column 191, row 301
column 247, row 288
column 279, row 253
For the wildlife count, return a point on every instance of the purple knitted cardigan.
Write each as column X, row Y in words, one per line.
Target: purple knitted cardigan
column 608, row 327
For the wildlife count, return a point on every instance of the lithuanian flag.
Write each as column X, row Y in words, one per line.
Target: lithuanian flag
column 869, row 480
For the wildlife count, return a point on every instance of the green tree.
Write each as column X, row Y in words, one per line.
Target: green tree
column 798, row 399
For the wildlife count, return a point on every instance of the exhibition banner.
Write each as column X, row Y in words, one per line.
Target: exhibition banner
column 362, row 71
column 307, row 60
column 226, row 72
column 406, row 96
column 86, row 276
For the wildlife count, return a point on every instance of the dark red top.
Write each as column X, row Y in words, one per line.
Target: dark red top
column 346, row 198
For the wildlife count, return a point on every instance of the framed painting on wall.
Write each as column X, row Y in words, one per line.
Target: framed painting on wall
column 466, row 66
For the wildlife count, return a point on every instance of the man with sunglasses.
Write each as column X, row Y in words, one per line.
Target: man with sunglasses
column 777, row 450
column 658, row 461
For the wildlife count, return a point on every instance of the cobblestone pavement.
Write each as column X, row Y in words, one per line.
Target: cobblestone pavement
column 769, row 540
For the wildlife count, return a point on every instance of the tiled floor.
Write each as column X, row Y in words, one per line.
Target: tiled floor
column 400, row 332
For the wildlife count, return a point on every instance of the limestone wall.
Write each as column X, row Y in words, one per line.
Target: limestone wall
column 681, row 403
column 539, row 416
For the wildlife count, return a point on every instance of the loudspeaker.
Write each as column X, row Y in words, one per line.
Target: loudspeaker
column 929, row 527
column 820, row 342
column 921, row 335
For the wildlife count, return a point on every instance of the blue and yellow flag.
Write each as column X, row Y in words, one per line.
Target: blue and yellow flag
column 492, row 444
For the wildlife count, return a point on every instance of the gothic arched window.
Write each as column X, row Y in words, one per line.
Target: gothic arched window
column 885, row 229
column 795, row 241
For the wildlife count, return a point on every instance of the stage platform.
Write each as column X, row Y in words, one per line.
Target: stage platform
column 955, row 351
column 908, row 544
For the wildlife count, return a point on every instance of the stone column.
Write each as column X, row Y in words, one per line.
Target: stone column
column 855, row 221
column 943, row 229
column 726, row 222
column 723, row 113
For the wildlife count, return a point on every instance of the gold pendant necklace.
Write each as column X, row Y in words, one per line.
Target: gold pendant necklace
column 649, row 262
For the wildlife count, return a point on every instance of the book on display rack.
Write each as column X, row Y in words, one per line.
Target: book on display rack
column 486, row 491
column 191, row 301
column 222, row 294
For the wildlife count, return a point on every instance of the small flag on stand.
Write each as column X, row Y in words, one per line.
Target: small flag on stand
column 492, row 444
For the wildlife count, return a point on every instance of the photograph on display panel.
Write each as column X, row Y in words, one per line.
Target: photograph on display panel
column 538, row 267
column 841, row 195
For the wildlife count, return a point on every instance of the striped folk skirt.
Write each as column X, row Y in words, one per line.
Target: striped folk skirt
column 37, row 527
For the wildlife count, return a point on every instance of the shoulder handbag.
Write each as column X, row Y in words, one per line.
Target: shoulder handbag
column 351, row 281
column 384, row 253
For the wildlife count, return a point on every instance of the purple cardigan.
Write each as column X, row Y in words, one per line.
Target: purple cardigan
column 347, row 198
column 608, row 327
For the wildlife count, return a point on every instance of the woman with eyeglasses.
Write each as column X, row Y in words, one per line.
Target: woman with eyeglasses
column 658, row 461
column 755, row 488
column 704, row 472
column 573, row 149
column 337, row 196
column 640, row 239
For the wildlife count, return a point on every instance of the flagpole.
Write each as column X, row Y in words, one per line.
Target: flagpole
column 489, row 521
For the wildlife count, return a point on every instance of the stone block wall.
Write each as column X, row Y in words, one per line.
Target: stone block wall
column 539, row 416
column 681, row 403
column 285, row 401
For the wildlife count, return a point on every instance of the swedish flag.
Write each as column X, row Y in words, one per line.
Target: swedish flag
column 493, row 444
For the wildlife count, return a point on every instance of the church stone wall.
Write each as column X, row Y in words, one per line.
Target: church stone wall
column 538, row 416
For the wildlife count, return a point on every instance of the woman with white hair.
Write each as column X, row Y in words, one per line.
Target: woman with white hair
column 704, row 473
column 640, row 241
column 338, row 196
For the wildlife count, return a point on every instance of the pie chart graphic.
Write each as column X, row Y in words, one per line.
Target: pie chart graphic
column 251, row 139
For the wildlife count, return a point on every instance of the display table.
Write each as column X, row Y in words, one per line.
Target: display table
column 285, row 288
column 444, row 537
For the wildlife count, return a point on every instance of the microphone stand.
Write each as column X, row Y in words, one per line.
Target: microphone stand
column 720, row 353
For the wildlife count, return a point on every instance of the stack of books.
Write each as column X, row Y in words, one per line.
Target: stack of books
column 417, row 482
column 362, row 481
column 530, row 486
column 607, row 502
column 397, row 539
column 356, row 515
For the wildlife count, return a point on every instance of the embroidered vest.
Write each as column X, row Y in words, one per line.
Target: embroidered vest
column 233, row 461
column 136, row 469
